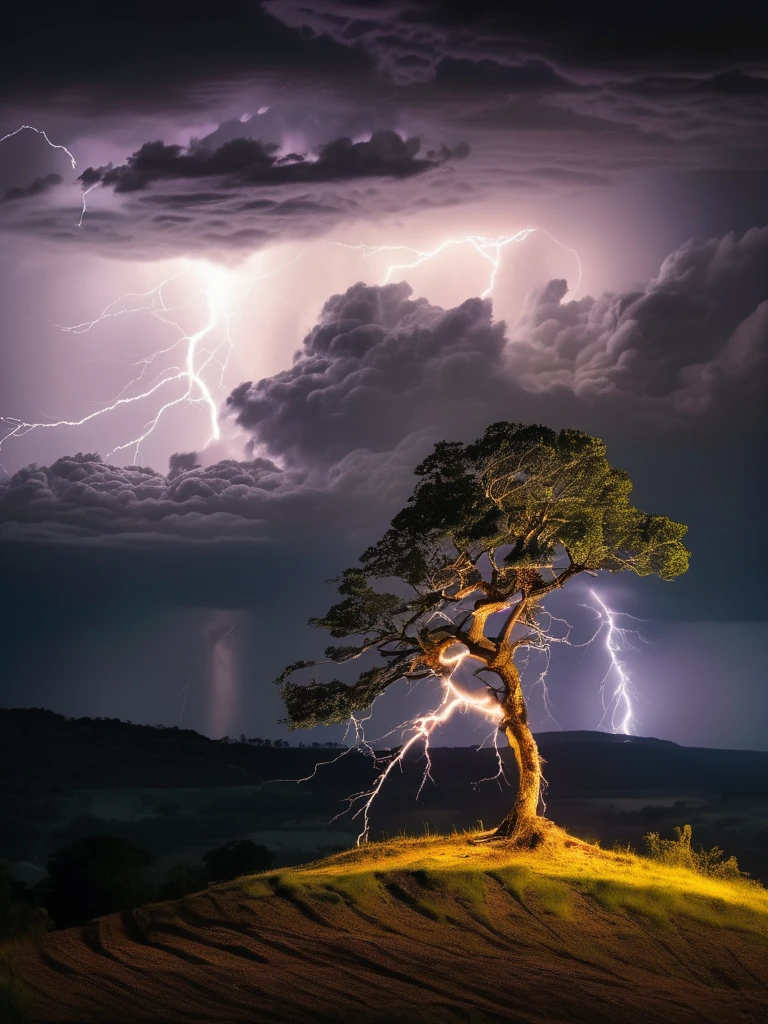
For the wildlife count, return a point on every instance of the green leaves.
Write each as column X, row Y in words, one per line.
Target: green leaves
column 333, row 702
column 363, row 609
column 645, row 544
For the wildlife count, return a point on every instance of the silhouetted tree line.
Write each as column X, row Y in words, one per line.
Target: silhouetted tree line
column 257, row 741
column 107, row 752
column 103, row 875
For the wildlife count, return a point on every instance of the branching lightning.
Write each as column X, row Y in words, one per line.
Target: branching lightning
column 421, row 729
column 616, row 690
column 206, row 352
column 190, row 372
column 197, row 365
column 489, row 248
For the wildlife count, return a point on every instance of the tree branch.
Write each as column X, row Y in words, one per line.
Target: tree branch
column 511, row 622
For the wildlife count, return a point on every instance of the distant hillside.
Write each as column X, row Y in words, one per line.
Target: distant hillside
column 422, row 932
column 592, row 736
column 39, row 747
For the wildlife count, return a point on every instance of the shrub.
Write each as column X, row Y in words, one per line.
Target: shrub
column 680, row 853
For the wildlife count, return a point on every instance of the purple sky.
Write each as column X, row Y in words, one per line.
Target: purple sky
column 252, row 160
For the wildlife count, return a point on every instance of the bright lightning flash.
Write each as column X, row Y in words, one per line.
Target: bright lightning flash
column 617, row 690
column 190, row 372
column 207, row 351
column 421, row 728
column 199, row 354
column 453, row 699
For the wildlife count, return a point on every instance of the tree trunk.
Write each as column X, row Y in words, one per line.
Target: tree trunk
column 523, row 823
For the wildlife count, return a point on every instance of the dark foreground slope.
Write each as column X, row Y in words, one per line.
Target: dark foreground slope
column 422, row 931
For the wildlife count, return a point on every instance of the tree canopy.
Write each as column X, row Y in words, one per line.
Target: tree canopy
column 491, row 526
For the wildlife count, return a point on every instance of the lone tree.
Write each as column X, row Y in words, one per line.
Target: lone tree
column 490, row 530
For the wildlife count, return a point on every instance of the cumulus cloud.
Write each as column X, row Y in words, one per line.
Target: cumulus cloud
column 81, row 499
column 377, row 366
column 692, row 335
column 82, row 496
column 380, row 364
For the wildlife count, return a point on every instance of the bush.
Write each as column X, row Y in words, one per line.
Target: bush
column 680, row 853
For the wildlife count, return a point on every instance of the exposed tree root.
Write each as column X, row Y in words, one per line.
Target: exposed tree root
column 530, row 834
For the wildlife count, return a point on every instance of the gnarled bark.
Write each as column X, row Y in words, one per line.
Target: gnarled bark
column 523, row 824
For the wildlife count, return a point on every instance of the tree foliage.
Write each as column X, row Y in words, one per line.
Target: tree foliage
column 491, row 526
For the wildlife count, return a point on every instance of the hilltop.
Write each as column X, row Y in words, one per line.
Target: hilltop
column 431, row 931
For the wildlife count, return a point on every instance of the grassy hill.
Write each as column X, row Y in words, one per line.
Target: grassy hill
column 433, row 930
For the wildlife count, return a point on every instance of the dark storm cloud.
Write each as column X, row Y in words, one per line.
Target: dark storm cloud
column 554, row 70
column 182, row 52
column 555, row 102
column 410, row 39
column 251, row 195
column 36, row 187
column 154, row 55
column 253, row 162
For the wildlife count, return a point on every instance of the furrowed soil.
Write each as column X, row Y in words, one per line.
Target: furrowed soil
column 433, row 930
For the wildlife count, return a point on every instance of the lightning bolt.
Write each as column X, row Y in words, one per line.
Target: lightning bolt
column 616, row 690
column 489, row 248
column 197, row 391
column 200, row 362
column 53, row 145
column 85, row 205
column 453, row 699
column 421, row 729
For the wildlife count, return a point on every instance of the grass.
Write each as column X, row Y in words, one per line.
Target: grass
column 529, row 887
column 433, row 874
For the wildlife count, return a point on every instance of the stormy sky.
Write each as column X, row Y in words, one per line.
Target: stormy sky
column 303, row 241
